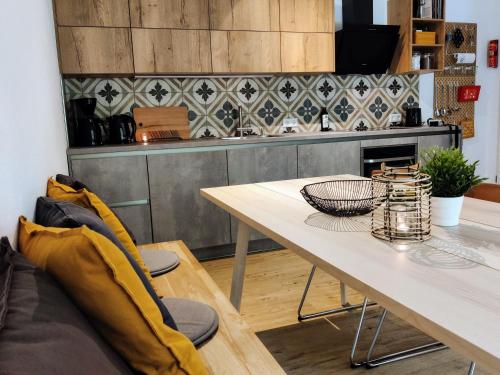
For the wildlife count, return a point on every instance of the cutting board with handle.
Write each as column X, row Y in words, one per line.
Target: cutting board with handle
column 161, row 123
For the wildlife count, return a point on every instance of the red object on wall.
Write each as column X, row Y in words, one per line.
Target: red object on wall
column 493, row 54
column 468, row 93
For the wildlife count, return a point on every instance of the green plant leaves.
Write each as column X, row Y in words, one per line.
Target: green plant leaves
column 451, row 174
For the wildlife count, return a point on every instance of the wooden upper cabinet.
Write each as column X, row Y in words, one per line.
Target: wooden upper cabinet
column 307, row 52
column 244, row 15
column 95, row 50
column 108, row 13
column 314, row 16
column 245, row 52
column 169, row 14
column 171, row 51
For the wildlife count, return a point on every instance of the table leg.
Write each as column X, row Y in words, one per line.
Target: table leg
column 343, row 294
column 239, row 264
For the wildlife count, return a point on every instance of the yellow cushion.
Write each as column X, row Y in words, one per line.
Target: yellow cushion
column 97, row 275
column 91, row 201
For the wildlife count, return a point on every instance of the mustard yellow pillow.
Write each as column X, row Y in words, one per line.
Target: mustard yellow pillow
column 91, row 201
column 99, row 278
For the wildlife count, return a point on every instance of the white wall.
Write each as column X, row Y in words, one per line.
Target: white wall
column 32, row 128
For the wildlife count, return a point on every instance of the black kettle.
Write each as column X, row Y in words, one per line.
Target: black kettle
column 413, row 117
column 91, row 132
column 121, row 129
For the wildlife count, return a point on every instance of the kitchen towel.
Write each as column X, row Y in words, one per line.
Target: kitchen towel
column 465, row 58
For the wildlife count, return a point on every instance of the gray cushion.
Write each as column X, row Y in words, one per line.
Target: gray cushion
column 41, row 331
column 196, row 320
column 159, row 262
column 61, row 214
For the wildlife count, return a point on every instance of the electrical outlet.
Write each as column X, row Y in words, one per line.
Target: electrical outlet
column 395, row 118
column 290, row 122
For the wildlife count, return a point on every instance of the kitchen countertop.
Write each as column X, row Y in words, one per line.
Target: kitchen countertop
column 312, row 137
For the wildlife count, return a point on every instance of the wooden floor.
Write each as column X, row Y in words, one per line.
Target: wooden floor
column 274, row 283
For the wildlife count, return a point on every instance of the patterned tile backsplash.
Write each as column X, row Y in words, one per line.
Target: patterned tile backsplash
column 213, row 102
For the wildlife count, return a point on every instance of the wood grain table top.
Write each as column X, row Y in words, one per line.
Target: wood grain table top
column 449, row 287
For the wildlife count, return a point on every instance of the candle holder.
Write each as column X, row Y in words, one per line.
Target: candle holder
column 403, row 213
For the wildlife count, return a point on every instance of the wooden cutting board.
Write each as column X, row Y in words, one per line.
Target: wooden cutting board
column 161, row 123
column 467, row 128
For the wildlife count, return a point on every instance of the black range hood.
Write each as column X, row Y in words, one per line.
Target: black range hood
column 361, row 47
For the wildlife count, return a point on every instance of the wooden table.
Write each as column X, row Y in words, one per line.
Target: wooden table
column 456, row 302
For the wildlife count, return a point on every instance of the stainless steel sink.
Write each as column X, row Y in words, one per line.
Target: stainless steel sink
column 233, row 138
column 252, row 137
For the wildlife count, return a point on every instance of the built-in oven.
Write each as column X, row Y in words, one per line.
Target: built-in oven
column 392, row 155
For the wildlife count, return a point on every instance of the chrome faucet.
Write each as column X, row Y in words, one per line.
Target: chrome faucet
column 240, row 128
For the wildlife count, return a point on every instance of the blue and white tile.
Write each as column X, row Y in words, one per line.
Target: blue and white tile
column 394, row 87
column 362, row 88
column 73, row 86
column 124, row 106
column 225, row 113
column 379, row 109
column 248, row 92
column 324, row 88
column 203, row 91
column 108, row 93
column 270, row 110
column 288, row 89
column 308, row 108
column 343, row 108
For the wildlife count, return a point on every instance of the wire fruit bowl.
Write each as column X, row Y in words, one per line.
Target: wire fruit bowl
column 343, row 197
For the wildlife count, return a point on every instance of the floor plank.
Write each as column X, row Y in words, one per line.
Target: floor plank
column 274, row 283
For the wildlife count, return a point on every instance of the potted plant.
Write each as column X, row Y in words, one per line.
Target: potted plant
column 452, row 176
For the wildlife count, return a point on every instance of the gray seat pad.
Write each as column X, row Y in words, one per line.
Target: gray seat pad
column 159, row 262
column 196, row 320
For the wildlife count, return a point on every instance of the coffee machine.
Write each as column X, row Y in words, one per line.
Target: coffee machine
column 85, row 129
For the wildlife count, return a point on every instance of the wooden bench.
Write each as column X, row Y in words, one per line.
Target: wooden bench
column 486, row 191
column 235, row 349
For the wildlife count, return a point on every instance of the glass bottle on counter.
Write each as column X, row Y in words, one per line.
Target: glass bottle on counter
column 325, row 120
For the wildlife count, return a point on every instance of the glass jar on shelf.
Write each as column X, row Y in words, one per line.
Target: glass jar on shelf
column 415, row 60
column 427, row 61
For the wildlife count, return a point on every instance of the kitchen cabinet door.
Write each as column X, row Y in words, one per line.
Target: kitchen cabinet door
column 95, row 50
column 115, row 180
column 312, row 16
column 245, row 52
column 260, row 164
column 328, row 159
column 307, row 52
column 245, row 15
column 104, row 13
column 441, row 140
column 169, row 14
column 138, row 219
column 171, row 51
column 177, row 208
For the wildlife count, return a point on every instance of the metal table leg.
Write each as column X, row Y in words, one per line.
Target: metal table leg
column 388, row 358
column 472, row 368
column 345, row 305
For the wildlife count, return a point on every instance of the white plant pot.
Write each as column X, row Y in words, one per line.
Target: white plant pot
column 446, row 211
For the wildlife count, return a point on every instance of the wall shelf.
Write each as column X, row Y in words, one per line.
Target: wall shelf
column 400, row 12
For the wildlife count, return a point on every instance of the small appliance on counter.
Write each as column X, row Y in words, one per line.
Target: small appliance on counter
column 121, row 129
column 85, row 129
column 413, row 117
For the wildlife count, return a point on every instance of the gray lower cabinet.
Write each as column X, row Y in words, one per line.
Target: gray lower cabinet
column 327, row 159
column 177, row 209
column 441, row 140
column 260, row 164
column 389, row 141
column 138, row 219
column 116, row 179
